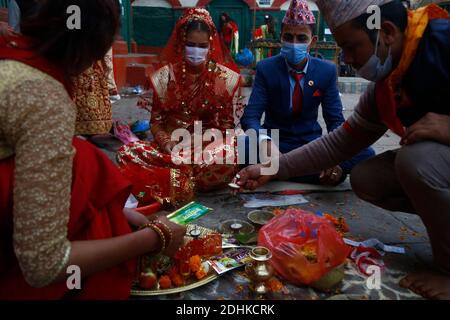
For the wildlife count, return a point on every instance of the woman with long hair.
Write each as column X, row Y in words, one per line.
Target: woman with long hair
column 229, row 32
column 61, row 199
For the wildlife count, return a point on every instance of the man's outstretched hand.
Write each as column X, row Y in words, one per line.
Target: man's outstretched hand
column 332, row 176
column 250, row 178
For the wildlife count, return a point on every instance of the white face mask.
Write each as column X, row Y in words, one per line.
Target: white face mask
column 373, row 70
column 195, row 55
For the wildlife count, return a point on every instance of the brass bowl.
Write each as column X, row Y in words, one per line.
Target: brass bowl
column 260, row 217
column 236, row 226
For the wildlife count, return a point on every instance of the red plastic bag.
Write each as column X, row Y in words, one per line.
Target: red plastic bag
column 304, row 246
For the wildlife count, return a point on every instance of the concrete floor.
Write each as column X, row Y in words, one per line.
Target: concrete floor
column 365, row 221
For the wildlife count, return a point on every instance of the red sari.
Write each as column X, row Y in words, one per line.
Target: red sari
column 179, row 101
column 99, row 193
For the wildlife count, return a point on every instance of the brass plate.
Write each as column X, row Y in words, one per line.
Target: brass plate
column 137, row 292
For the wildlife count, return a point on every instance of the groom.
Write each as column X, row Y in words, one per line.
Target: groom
column 290, row 87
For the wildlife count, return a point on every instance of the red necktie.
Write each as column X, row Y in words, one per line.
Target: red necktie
column 297, row 97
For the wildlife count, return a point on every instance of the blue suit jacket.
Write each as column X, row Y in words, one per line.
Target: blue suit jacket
column 271, row 94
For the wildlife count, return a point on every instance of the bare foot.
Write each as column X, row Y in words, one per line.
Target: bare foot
column 429, row 285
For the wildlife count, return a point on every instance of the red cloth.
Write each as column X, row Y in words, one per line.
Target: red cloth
column 258, row 33
column 228, row 31
column 387, row 108
column 234, row 26
column 99, row 193
column 297, row 96
column 174, row 50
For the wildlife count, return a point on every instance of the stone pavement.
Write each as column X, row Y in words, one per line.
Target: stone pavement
column 365, row 221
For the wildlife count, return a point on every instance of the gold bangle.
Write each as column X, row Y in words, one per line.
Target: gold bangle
column 159, row 232
column 167, row 229
column 161, row 236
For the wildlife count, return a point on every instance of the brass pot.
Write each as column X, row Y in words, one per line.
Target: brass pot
column 259, row 269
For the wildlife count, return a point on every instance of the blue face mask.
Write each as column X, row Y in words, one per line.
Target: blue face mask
column 294, row 53
column 373, row 70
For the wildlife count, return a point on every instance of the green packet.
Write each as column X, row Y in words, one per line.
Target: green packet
column 188, row 213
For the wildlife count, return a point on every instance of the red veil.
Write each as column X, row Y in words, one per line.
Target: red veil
column 211, row 90
column 174, row 50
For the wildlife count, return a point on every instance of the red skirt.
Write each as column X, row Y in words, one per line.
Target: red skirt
column 155, row 177
column 99, row 193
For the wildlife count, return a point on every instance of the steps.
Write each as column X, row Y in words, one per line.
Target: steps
column 352, row 85
column 138, row 74
column 132, row 69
